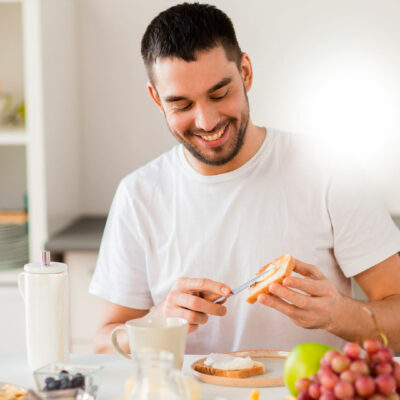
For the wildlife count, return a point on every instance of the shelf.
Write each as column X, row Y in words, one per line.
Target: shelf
column 13, row 136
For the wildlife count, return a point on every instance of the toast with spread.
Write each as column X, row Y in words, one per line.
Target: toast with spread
column 280, row 269
column 229, row 366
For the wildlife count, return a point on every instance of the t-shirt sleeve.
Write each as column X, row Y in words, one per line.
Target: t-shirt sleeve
column 363, row 231
column 120, row 275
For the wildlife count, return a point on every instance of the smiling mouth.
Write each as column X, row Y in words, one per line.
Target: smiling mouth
column 215, row 136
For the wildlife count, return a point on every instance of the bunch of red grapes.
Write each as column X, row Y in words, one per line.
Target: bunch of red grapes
column 368, row 373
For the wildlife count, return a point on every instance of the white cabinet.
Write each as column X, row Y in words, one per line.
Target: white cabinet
column 38, row 64
column 12, row 316
column 85, row 308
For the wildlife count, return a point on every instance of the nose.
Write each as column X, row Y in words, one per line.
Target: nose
column 206, row 117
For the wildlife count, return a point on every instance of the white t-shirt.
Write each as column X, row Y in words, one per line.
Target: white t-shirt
column 168, row 221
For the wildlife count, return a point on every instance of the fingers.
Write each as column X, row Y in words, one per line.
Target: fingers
column 191, row 299
column 195, row 303
column 277, row 303
column 193, row 328
column 297, row 299
column 312, row 287
column 212, row 297
column 300, row 317
column 194, row 318
column 202, row 285
column 308, row 270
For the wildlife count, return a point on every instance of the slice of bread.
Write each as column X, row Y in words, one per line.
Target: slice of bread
column 283, row 267
column 257, row 369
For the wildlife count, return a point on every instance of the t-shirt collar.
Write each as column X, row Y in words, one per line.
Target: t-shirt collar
column 242, row 170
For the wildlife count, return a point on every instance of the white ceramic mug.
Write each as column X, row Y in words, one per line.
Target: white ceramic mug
column 159, row 333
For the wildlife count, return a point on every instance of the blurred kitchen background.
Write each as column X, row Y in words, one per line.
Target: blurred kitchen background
column 75, row 116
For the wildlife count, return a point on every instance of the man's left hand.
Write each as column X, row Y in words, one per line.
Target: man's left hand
column 316, row 307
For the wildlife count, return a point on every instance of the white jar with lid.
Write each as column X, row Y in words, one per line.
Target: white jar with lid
column 44, row 287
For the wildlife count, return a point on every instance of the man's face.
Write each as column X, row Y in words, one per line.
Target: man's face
column 205, row 104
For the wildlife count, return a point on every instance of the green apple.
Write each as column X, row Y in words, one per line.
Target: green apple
column 302, row 362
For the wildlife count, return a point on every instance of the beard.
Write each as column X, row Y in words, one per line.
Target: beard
column 234, row 147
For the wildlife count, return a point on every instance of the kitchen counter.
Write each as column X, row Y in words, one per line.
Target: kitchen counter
column 13, row 368
column 84, row 234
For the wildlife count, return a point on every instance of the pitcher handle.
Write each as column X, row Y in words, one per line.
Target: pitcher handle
column 115, row 344
column 21, row 284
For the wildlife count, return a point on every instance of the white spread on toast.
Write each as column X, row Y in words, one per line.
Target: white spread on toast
column 273, row 267
column 228, row 362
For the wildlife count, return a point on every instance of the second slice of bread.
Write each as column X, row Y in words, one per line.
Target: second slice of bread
column 257, row 369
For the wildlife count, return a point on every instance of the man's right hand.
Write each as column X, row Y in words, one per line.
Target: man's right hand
column 192, row 299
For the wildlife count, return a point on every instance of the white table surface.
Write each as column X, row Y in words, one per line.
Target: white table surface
column 14, row 369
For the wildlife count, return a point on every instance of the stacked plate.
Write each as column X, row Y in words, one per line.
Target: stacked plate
column 13, row 245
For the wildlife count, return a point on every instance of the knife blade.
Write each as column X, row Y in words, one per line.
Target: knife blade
column 247, row 284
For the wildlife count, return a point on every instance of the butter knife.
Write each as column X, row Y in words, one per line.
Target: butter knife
column 247, row 284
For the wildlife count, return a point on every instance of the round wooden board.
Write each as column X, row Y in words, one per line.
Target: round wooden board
column 273, row 361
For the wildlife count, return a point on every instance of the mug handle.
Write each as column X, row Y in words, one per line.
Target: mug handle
column 21, row 284
column 115, row 344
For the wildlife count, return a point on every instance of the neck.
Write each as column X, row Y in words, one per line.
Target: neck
column 253, row 140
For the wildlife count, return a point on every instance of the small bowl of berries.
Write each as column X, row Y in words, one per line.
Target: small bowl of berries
column 57, row 380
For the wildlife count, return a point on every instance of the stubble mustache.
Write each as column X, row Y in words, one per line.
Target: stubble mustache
column 217, row 127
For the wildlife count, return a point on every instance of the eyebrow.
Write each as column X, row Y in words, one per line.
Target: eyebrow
column 223, row 82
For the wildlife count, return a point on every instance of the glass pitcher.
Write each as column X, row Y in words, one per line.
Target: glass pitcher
column 156, row 379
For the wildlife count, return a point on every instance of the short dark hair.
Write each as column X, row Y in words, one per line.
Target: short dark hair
column 182, row 30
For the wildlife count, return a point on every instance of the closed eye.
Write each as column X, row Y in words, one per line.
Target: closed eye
column 220, row 97
column 184, row 108
column 180, row 108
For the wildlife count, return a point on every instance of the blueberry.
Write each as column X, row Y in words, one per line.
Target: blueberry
column 53, row 385
column 48, row 380
column 63, row 374
column 78, row 375
column 50, row 385
column 64, row 382
column 77, row 381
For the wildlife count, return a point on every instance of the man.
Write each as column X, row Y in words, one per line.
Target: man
column 204, row 217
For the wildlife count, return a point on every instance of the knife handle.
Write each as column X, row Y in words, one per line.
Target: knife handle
column 221, row 299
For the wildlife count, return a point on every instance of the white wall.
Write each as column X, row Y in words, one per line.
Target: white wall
column 122, row 129
column 326, row 68
column 62, row 124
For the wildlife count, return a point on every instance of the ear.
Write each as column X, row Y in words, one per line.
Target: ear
column 246, row 71
column 154, row 95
